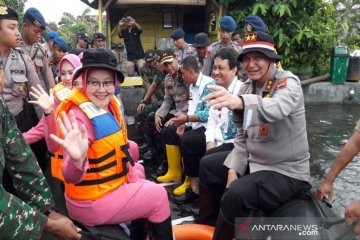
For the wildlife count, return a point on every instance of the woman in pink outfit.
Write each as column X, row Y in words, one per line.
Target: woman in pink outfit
column 67, row 67
column 47, row 125
column 101, row 184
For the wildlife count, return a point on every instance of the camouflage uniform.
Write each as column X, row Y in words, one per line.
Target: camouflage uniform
column 21, row 218
column 146, row 117
column 182, row 53
column 147, row 74
column 159, row 80
column 159, row 94
column 39, row 56
column 209, row 61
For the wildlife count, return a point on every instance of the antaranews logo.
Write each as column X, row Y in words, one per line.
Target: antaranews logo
column 277, row 228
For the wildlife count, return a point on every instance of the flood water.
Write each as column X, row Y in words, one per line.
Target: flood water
column 329, row 127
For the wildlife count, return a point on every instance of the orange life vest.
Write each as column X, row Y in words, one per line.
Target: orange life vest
column 60, row 91
column 107, row 155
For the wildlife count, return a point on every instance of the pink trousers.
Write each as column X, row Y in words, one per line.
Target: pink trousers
column 138, row 198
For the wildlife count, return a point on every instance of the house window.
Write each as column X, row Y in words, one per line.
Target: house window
column 167, row 20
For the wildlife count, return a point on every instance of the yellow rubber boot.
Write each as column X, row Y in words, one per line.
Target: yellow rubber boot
column 174, row 165
column 179, row 191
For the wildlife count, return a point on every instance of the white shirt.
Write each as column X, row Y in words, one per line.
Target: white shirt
column 220, row 128
column 198, row 91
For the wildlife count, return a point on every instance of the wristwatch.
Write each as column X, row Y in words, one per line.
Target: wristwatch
column 142, row 101
column 47, row 213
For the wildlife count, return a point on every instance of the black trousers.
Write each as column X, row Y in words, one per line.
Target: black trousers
column 169, row 135
column 192, row 148
column 212, row 172
column 155, row 137
column 263, row 190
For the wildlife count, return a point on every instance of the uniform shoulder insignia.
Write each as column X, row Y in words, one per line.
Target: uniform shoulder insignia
column 42, row 49
column 281, row 84
column 214, row 44
column 19, row 50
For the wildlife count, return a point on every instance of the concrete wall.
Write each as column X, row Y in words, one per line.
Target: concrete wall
column 326, row 92
column 316, row 93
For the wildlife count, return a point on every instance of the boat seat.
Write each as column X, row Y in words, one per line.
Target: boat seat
column 104, row 232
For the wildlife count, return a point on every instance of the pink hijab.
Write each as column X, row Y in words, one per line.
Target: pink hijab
column 73, row 59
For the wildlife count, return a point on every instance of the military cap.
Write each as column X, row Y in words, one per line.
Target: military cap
column 8, row 13
column 99, row 58
column 177, row 34
column 167, row 55
column 227, row 23
column 83, row 35
column 201, row 40
column 255, row 24
column 61, row 43
column 51, row 35
column 35, row 17
column 149, row 55
column 259, row 42
column 99, row 36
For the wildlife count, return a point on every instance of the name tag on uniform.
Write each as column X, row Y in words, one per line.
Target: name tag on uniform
column 17, row 71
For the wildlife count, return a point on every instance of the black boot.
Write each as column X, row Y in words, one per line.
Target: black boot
column 209, row 205
column 161, row 231
column 224, row 229
column 139, row 229
column 162, row 169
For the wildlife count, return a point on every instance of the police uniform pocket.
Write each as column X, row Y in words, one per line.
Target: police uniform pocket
column 19, row 85
column 38, row 62
column 265, row 132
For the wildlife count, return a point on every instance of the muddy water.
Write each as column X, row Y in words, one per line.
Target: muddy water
column 328, row 128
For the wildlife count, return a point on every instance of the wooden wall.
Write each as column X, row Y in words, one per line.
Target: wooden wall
column 151, row 21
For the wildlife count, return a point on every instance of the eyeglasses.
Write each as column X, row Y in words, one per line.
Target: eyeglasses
column 96, row 84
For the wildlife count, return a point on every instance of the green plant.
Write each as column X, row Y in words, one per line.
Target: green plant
column 302, row 29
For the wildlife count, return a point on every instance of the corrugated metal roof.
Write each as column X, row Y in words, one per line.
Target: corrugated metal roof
column 94, row 3
column 177, row 2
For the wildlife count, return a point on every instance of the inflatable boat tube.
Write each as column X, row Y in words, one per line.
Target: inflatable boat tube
column 193, row 232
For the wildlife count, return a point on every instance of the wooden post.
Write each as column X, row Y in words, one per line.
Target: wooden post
column 100, row 14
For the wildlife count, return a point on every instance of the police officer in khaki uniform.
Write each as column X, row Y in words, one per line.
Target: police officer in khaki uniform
column 269, row 164
column 182, row 49
column 48, row 45
column 20, row 76
column 175, row 100
column 227, row 28
column 59, row 49
column 176, row 91
column 33, row 26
